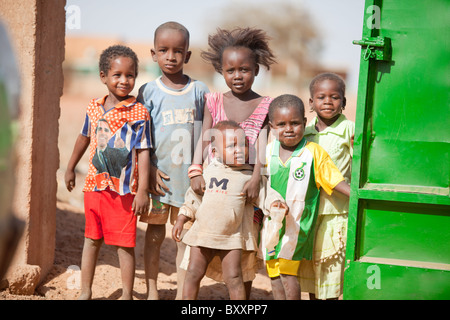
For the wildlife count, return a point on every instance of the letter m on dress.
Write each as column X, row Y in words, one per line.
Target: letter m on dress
column 223, row 182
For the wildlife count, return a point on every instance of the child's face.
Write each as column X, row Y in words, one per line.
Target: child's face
column 120, row 78
column 231, row 147
column 239, row 69
column 327, row 100
column 288, row 126
column 171, row 51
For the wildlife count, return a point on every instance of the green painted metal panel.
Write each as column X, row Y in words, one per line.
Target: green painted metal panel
column 409, row 111
column 405, row 231
column 399, row 217
column 371, row 281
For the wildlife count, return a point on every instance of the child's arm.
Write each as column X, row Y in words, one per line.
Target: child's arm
column 251, row 188
column 156, row 184
column 269, row 199
column 328, row 175
column 187, row 212
column 198, row 182
column 343, row 187
column 79, row 149
column 279, row 206
column 178, row 227
column 141, row 201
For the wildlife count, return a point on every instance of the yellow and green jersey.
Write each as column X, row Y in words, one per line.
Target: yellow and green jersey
column 299, row 180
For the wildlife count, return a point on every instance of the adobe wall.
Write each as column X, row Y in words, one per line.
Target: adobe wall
column 37, row 28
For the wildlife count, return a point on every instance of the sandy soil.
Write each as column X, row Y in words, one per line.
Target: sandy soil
column 62, row 282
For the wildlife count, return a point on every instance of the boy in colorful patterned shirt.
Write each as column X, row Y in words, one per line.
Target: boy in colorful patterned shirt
column 117, row 130
column 297, row 170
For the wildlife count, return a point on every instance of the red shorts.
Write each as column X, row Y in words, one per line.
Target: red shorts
column 109, row 216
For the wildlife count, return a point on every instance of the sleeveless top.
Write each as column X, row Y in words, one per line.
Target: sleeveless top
column 252, row 125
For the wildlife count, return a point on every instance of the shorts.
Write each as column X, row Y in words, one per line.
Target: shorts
column 159, row 213
column 109, row 216
column 282, row 266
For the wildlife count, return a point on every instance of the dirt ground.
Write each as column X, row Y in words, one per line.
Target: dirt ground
column 62, row 283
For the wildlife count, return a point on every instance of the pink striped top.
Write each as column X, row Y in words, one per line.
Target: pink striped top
column 252, row 125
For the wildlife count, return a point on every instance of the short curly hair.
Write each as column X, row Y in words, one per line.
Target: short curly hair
column 327, row 76
column 113, row 52
column 286, row 101
column 254, row 39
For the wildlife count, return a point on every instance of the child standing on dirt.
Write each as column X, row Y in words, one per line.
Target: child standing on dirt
column 223, row 219
column 175, row 102
column 237, row 55
column 323, row 276
column 297, row 170
column 116, row 191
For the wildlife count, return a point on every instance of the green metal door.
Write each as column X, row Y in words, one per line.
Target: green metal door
column 398, row 243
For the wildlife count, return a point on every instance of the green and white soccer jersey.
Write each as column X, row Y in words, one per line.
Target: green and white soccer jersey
column 299, row 180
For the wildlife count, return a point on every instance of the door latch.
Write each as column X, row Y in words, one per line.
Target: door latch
column 378, row 48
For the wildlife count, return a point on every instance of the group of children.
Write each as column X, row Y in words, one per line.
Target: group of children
column 224, row 167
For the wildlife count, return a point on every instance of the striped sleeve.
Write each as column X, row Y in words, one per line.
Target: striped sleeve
column 86, row 129
column 143, row 140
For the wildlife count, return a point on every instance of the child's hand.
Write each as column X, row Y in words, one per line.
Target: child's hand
column 251, row 190
column 157, row 185
column 176, row 231
column 141, row 203
column 178, row 227
column 198, row 185
column 69, row 179
column 279, row 205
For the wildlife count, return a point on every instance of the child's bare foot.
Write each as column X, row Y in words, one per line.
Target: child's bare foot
column 153, row 295
column 152, row 291
column 85, row 295
column 126, row 296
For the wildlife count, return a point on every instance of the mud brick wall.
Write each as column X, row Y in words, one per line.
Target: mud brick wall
column 37, row 29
